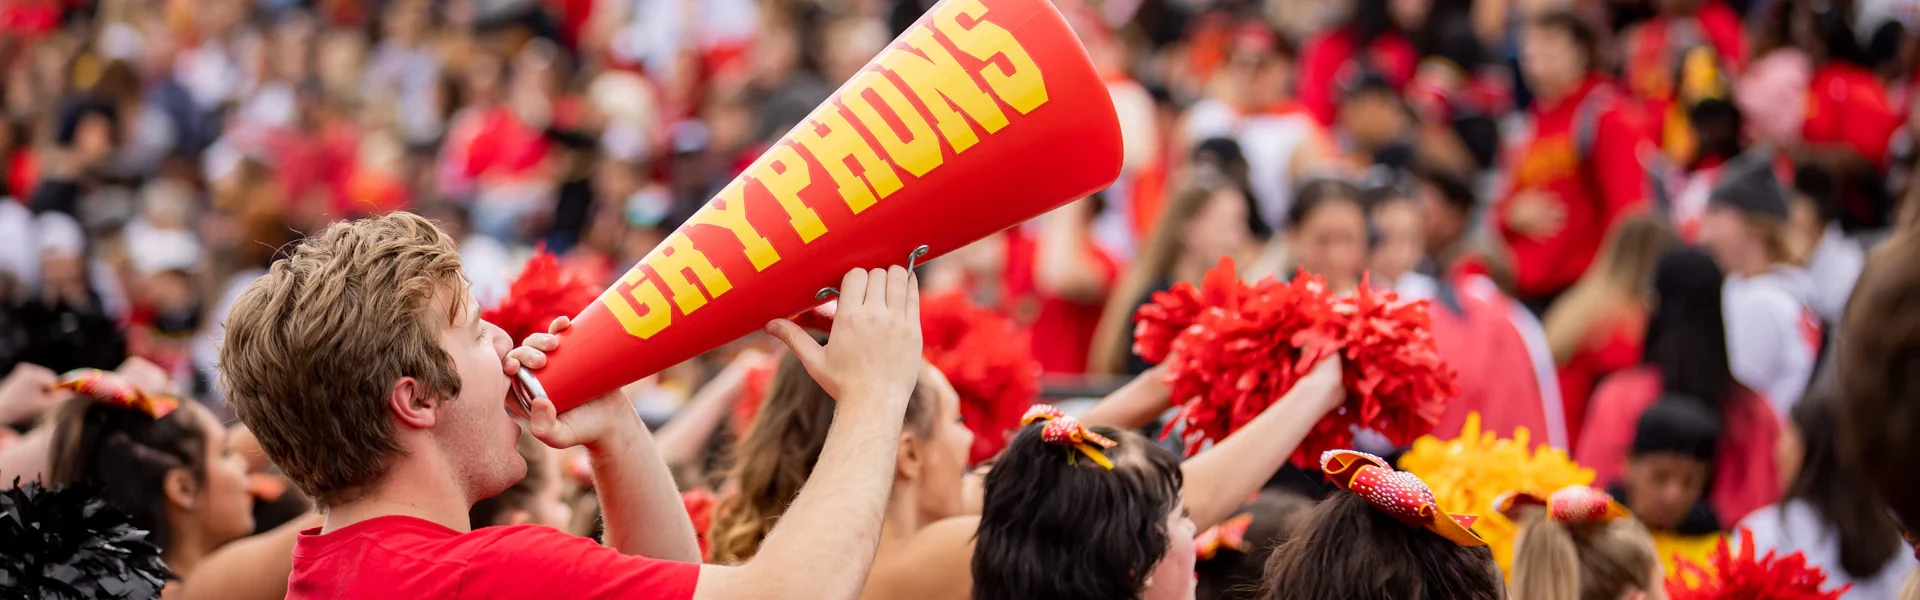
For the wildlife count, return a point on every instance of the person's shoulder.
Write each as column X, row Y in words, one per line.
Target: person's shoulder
column 936, row 563
column 953, row 535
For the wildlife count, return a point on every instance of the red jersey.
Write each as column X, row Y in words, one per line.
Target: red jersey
column 1327, row 59
column 1596, row 180
column 405, row 557
column 1063, row 329
column 1848, row 105
column 1744, row 478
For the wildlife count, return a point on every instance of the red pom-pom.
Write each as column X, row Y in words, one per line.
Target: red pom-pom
column 541, row 293
column 700, row 504
column 989, row 361
column 1233, row 348
column 753, row 392
column 1747, row 575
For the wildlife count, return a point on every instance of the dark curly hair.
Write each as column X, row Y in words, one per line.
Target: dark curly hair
column 1056, row 525
column 1348, row 550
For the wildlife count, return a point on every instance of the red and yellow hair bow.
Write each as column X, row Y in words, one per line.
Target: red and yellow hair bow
column 1062, row 430
column 1400, row 494
column 1573, row 505
column 111, row 389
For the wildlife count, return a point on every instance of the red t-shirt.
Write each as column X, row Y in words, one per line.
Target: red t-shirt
column 1063, row 329
column 405, row 557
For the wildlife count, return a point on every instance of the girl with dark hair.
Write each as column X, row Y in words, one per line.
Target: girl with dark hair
column 1327, row 235
column 1826, row 514
column 1380, row 537
column 1037, row 537
column 1686, row 355
column 164, row 461
column 927, row 541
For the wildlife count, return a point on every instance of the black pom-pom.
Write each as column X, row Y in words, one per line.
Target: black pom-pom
column 65, row 542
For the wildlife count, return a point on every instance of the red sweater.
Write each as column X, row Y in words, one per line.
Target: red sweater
column 1597, row 185
column 1744, row 478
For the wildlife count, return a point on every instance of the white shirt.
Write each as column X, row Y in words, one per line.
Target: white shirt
column 1795, row 526
column 1771, row 335
column 1834, row 266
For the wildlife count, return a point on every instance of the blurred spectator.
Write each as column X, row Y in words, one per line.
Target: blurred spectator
column 1579, row 172
column 1199, row 227
column 1377, row 37
column 1686, row 355
column 1670, row 465
column 1596, row 329
column 1850, row 535
column 1832, row 258
column 1772, row 337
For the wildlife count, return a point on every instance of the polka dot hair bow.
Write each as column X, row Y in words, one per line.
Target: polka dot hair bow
column 111, row 389
column 1574, row 505
column 1062, row 430
column 1400, row 494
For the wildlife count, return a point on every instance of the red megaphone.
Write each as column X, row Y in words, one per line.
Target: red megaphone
column 983, row 114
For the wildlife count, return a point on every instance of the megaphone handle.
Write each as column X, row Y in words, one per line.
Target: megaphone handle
column 912, row 259
column 525, row 388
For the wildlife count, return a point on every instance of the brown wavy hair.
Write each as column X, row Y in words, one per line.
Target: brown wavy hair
column 313, row 348
column 778, row 452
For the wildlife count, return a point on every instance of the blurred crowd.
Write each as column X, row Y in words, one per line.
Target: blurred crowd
column 1639, row 221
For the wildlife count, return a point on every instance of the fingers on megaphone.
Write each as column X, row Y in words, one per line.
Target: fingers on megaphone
column 913, row 260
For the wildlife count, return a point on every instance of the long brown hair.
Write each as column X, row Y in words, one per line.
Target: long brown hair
column 1113, row 340
column 1554, row 560
column 1623, row 274
column 777, row 454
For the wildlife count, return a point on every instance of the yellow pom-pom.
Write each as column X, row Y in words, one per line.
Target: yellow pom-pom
column 1468, row 472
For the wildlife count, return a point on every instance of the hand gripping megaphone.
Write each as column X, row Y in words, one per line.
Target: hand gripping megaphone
column 983, row 114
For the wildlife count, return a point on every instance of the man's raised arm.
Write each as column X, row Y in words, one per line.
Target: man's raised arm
column 825, row 544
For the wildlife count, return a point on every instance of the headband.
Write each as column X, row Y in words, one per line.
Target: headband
column 1574, row 505
column 1062, row 430
column 1400, row 494
column 111, row 389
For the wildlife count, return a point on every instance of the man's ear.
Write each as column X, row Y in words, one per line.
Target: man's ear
column 907, row 466
column 410, row 403
column 180, row 488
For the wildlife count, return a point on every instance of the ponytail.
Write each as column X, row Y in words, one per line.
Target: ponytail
column 1546, row 562
column 1557, row 560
